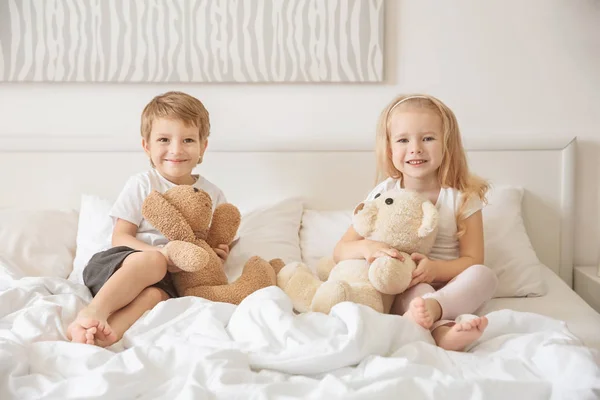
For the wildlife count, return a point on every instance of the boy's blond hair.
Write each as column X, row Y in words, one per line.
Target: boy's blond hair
column 179, row 106
column 454, row 170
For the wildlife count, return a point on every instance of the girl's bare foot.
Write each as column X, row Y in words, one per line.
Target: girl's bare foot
column 460, row 335
column 421, row 312
column 89, row 328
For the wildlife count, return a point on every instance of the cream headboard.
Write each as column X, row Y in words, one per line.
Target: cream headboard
column 53, row 172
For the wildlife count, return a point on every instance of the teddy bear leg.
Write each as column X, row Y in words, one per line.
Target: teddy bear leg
column 329, row 294
column 277, row 264
column 187, row 256
column 257, row 274
column 299, row 283
column 324, row 267
column 367, row 295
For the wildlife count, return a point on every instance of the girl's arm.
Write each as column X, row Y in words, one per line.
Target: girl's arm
column 354, row 246
column 471, row 251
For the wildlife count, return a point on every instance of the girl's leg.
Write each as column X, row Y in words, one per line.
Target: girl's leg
column 412, row 305
column 459, row 335
column 463, row 295
column 124, row 318
column 138, row 271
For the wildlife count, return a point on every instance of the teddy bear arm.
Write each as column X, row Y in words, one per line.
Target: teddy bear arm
column 225, row 223
column 157, row 210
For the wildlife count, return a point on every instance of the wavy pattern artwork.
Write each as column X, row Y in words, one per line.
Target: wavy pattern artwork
column 191, row 40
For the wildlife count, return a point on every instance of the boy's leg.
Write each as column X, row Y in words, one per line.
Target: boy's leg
column 138, row 271
column 124, row 318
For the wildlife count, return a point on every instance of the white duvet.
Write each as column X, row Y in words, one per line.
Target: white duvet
column 192, row 348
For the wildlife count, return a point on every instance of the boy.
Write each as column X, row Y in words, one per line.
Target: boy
column 133, row 276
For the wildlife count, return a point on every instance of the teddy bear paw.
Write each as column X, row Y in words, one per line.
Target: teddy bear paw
column 187, row 256
column 288, row 271
column 390, row 275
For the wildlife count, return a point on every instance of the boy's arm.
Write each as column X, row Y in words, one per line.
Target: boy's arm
column 124, row 234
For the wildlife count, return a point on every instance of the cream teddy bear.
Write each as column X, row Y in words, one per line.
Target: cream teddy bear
column 403, row 219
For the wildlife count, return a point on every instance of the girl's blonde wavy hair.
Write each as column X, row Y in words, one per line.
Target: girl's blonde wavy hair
column 454, row 170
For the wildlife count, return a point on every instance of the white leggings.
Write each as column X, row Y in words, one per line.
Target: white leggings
column 464, row 294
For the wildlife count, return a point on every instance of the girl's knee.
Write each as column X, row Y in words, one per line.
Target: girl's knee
column 485, row 276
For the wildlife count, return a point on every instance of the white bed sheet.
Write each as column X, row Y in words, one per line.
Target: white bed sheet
column 560, row 303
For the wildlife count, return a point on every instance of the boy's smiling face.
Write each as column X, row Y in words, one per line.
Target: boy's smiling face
column 174, row 149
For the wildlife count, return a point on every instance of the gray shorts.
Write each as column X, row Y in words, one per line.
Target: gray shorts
column 104, row 264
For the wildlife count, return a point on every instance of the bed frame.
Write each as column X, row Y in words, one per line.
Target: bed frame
column 53, row 172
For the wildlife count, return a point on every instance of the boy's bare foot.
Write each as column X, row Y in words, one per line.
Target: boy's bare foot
column 90, row 328
column 419, row 312
column 459, row 336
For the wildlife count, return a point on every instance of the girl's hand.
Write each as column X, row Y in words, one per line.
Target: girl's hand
column 374, row 250
column 425, row 271
column 222, row 251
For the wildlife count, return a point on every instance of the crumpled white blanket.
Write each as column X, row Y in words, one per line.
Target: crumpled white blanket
column 193, row 348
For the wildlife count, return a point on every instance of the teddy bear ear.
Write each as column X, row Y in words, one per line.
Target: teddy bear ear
column 364, row 218
column 358, row 208
column 430, row 219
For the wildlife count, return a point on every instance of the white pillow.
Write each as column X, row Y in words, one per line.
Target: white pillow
column 508, row 250
column 38, row 242
column 269, row 232
column 94, row 232
column 319, row 233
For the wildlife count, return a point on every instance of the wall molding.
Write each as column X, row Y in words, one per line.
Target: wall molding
column 109, row 144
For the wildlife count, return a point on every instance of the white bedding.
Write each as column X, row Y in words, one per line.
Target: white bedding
column 192, row 348
column 560, row 303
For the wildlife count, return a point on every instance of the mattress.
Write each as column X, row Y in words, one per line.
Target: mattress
column 560, row 303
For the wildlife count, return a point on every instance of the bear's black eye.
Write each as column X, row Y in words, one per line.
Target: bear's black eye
column 377, row 195
column 196, row 190
column 389, row 201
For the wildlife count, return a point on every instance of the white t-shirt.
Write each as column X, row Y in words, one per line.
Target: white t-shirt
column 128, row 205
column 446, row 246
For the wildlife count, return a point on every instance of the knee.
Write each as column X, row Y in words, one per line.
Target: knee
column 155, row 264
column 486, row 278
column 153, row 295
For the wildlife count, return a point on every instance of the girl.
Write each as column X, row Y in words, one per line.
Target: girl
column 419, row 147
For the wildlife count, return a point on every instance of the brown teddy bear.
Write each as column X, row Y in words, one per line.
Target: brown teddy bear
column 403, row 219
column 184, row 215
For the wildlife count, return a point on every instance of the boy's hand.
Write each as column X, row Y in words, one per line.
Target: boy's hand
column 374, row 250
column 222, row 251
column 425, row 271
